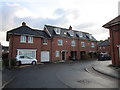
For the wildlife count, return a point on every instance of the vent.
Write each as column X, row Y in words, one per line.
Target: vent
column 65, row 33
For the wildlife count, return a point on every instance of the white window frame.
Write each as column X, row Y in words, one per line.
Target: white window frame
column 23, row 39
column 57, row 53
column 71, row 33
column 57, row 30
column 82, row 44
column 73, row 43
column 30, row 39
column 92, row 45
column 44, row 41
column 80, row 34
column 89, row 36
column 26, row 50
column 61, row 42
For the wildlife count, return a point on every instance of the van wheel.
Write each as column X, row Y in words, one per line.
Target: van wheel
column 33, row 63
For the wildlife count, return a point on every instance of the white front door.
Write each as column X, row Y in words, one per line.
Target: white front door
column 45, row 56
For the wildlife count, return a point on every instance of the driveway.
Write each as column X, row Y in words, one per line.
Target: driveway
column 60, row 75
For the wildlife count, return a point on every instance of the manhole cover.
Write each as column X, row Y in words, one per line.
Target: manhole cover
column 83, row 81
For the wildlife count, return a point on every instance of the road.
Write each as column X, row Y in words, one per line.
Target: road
column 61, row 75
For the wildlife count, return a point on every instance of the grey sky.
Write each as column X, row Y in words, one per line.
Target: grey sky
column 82, row 15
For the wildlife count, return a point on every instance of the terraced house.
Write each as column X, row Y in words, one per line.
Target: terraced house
column 50, row 44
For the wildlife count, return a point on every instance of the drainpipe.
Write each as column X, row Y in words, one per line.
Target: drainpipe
column 78, row 49
column 113, row 47
column 51, row 49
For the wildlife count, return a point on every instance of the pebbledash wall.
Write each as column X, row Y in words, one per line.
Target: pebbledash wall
column 46, row 40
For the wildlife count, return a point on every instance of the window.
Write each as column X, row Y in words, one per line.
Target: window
column 71, row 33
column 92, row 45
column 23, row 39
column 60, row 42
column 89, row 36
column 73, row 43
column 21, row 57
column 30, row 39
column 27, row 52
column 80, row 34
column 57, row 54
column 57, row 30
column 82, row 44
column 44, row 41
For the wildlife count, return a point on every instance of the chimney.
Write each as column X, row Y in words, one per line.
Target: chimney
column 23, row 24
column 70, row 28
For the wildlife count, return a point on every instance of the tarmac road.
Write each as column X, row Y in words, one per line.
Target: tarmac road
column 60, row 75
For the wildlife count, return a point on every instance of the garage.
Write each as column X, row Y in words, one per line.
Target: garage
column 45, row 56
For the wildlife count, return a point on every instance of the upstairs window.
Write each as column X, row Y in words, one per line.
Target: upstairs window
column 82, row 44
column 92, row 45
column 71, row 33
column 60, row 42
column 57, row 30
column 44, row 41
column 23, row 39
column 73, row 43
column 30, row 39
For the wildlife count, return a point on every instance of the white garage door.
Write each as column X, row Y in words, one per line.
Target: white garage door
column 45, row 56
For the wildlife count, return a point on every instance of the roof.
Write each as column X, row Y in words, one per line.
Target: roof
column 103, row 43
column 115, row 21
column 25, row 30
column 64, row 33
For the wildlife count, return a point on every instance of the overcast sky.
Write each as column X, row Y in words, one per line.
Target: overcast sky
column 83, row 15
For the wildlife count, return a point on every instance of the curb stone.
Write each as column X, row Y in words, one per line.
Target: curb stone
column 105, row 73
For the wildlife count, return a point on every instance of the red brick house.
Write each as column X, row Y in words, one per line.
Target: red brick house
column 50, row 44
column 114, row 29
column 104, row 47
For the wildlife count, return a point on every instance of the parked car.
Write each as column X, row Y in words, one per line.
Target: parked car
column 104, row 56
column 21, row 59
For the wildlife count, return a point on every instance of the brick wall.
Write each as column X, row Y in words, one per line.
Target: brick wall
column 52, row 46
column 15, row 44
column 115, row 40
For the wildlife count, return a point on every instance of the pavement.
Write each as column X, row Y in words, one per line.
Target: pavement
column 103, row 67
column 106, row 68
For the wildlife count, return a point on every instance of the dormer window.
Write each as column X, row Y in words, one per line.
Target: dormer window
column 71, row 33
column 80, row 34
column 57, row 30
column 89, row 36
